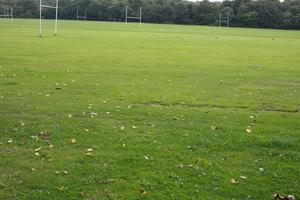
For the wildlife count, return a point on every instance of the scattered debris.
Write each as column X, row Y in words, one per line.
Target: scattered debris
column 62, row 189
column 261, row 170
column 89, row 152
column 73, row 141
column 234, row 181
column 38, row 149
column 142, row 191
column 44, row 135
column 9, row 141
column 277, row 196
column 146, row 157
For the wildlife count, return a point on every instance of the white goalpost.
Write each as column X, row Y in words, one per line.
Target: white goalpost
column 134, row 17
column 8, row 13
column 56, row 14
column 221, row 20
column 81, row 16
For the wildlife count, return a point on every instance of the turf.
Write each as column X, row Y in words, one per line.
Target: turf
column 166, row 109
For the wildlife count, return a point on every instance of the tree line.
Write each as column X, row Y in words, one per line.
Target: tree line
column 243, row 13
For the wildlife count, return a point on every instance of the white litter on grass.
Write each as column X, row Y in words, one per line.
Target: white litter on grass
column 146, row 157
column 233, row 181
column 261, row 170
column 9, row 141
column 93, row 114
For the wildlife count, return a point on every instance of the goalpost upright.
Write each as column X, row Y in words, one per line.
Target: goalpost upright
column 56, row 15
column 8, row 13
column 130, row 17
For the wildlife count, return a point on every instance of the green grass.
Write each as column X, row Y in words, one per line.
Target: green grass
column 168, row 85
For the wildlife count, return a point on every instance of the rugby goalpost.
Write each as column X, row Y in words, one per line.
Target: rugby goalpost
column 134, row 17
column 221, row 20
column 8, row 13
column 56, row 14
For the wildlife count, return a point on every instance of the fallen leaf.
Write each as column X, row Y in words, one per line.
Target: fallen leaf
column 62, row 189
column 261, row 170
column 142, row 191
column 248, row 130
column 233, row 181
column 37, row 149
column 73, row 141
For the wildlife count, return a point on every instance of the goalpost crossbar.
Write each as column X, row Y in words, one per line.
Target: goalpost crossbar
column 47, row 6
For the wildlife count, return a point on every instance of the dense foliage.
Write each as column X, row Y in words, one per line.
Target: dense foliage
column 243, row 13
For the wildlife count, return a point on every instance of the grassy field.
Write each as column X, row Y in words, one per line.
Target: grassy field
column 159, row 112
